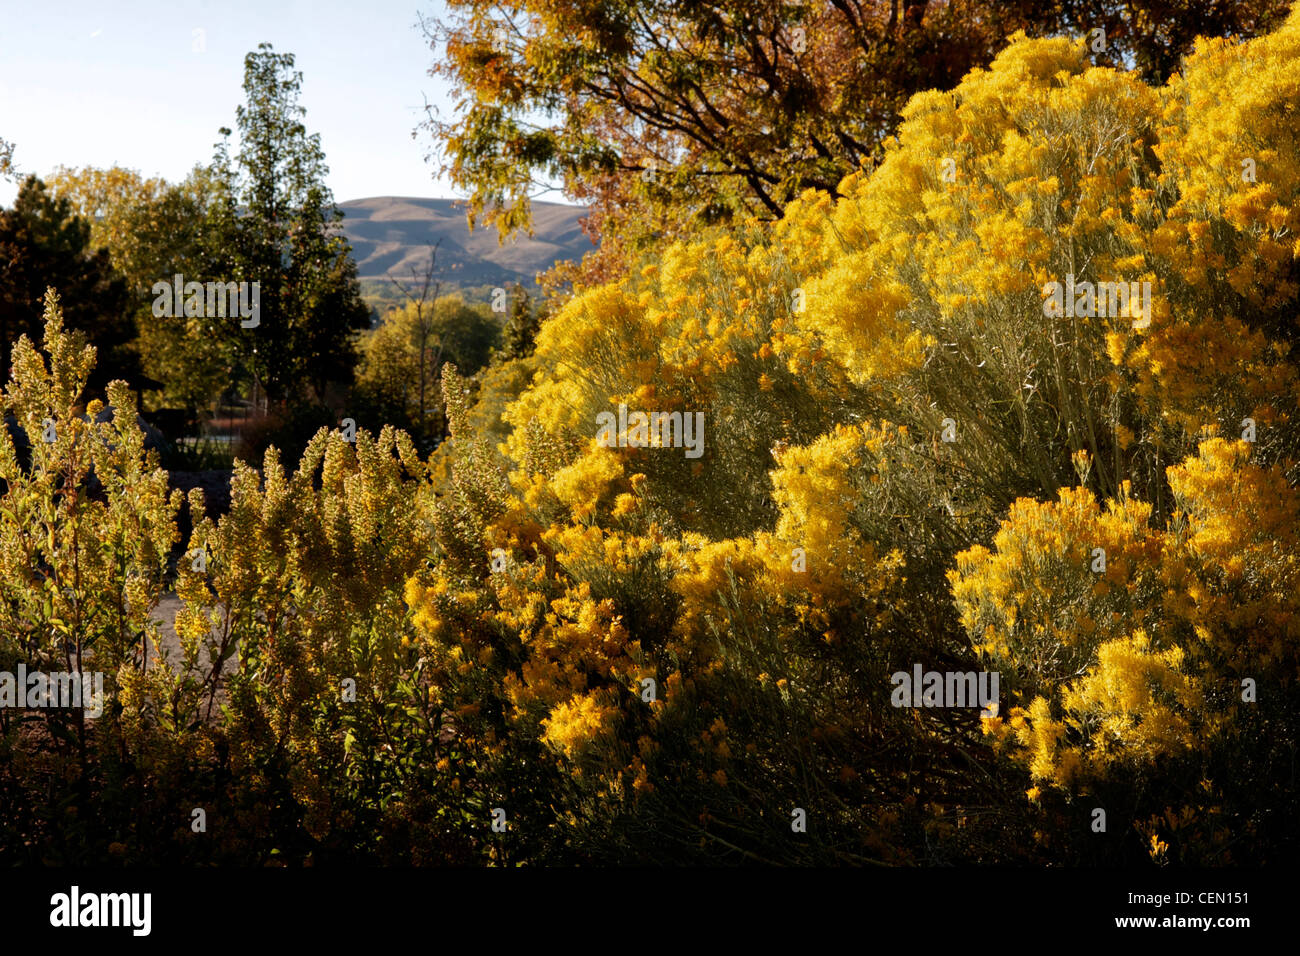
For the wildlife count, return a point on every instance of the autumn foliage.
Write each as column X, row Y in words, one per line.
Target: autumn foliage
column 642, row 656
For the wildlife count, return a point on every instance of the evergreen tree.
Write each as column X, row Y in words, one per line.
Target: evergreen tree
column 44, row 244
column 521, row 328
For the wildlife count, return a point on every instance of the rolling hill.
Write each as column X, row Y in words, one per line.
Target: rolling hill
column 391, row 235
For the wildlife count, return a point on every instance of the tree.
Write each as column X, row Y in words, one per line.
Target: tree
column 403, row 358
column 421, row 296
column 153, row 231
column 44, row 244
column 279, row 227
column 664, row 116
column 111, row 201
column 6, row 159
column 520, row 331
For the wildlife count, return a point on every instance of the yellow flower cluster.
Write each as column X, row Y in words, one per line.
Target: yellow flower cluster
column 892, row 420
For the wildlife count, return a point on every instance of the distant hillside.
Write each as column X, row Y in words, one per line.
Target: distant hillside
column 391, row 235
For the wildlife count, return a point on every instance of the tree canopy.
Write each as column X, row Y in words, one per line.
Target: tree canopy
column 279, row 226
column 43, row 242
column 664, row 115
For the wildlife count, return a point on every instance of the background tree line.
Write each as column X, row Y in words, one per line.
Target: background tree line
column 103, row 237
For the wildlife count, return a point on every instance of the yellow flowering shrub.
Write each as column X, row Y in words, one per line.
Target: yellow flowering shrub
column 914, row 452
column 1020, row 400
column 87, row 526
column 894, row 422
column 1116, row 674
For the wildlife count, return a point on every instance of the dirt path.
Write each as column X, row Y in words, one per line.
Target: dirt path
column 170, row 643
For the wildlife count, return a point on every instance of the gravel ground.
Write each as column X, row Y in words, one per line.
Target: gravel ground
column 170, row 643
column 166, row 612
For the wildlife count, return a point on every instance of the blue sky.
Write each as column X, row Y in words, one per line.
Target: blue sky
column 97, row 83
